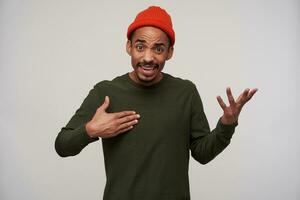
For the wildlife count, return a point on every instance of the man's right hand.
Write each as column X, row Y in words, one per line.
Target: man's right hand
column 107, row 125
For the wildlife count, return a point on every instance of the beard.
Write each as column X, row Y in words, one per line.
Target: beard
column 147, row 73
column 148, row 65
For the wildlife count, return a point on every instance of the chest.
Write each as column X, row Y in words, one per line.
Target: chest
column 163, row 114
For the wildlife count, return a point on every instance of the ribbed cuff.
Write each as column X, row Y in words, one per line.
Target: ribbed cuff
column 226, row 130
column 83, row 136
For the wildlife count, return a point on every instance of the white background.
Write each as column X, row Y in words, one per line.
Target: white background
column 53, row 52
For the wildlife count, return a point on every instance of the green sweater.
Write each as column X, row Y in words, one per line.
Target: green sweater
column 149, row 162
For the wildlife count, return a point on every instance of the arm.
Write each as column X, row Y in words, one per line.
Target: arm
column 92, row 121
column 70, row 141
column 206, row 145
column 73, row 137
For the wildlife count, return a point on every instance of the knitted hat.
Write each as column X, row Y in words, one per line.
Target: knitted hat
column 153, row 16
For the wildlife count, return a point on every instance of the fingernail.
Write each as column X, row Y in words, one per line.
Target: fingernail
column 138, row 116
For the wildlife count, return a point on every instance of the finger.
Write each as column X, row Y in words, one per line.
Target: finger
column 127, row 124
column 105, row 104
column 229, row 96
column 243, row 97
column 251, row 93
column 124, row 113
column 128, row 118
column 221, row 102
column 124, row 130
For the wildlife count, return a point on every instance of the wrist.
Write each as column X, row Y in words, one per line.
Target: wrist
column 89, row 130
column 228, row 121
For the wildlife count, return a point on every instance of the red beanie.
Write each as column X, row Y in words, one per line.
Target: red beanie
column 153, row 16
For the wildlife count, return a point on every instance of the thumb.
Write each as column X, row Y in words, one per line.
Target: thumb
column 105, row 104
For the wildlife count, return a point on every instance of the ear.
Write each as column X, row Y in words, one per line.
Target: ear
column 128, row 47
column 170, row 53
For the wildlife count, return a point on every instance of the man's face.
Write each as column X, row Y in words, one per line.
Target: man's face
column 149, row 49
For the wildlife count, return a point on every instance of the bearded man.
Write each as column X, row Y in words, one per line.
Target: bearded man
column 148, row 120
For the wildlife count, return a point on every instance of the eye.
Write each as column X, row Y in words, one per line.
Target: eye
column 159, row 49
column 139, row 47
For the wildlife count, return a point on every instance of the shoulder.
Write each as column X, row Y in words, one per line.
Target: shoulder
column 180, row 82
column 107, row 84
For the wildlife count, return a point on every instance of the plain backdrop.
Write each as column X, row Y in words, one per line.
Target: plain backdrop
column 52, row 52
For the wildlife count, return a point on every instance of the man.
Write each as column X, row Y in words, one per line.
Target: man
column 148, row 120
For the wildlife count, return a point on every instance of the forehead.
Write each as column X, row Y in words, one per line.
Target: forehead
column 150, row 34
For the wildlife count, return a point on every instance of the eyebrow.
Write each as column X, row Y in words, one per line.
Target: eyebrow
column 139, row 40
column 144, row 41
column 160, row 44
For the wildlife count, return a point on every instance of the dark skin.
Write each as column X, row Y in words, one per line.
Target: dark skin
column 106, row 125
column 232, row 111
column 149, row 49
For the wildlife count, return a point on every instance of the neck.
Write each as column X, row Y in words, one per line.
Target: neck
column 134, row 77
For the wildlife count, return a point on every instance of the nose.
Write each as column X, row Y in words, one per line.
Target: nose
column 148, row 56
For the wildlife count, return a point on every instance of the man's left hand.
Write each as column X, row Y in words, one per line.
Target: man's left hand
column 231, row 112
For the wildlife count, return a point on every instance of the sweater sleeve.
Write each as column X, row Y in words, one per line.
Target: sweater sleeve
column 205, row 145
column 73, row 137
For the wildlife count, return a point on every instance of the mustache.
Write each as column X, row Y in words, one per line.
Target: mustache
column 148, row 64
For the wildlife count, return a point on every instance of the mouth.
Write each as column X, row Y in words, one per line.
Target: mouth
column 148, row 70
column 148, row 65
